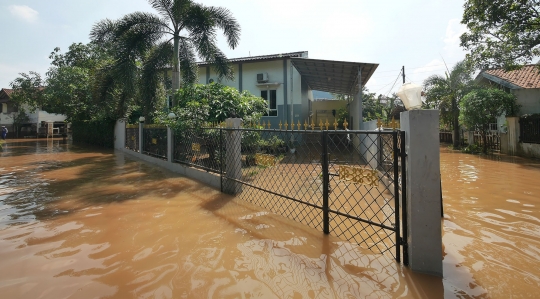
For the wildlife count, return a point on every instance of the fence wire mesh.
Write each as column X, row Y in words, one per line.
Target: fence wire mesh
column 201, row 147
column 155, row 141
column 284, row 172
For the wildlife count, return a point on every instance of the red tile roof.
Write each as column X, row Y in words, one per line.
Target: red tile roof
column 526, row 77
column 7, row 91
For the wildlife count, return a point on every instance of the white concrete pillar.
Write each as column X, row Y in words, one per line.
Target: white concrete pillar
column 233, row 158
column 120, row 134
column 423, row 190
column 170, row 152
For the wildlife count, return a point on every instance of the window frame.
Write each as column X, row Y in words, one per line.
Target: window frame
column 271, row 94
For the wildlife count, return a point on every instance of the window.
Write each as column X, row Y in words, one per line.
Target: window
column 271, row 101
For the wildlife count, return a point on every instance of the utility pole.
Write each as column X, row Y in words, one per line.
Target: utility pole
column 403, row 73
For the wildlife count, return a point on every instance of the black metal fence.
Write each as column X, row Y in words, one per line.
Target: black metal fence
column 529, row 129
column 132, row 137
column 347, row 183
column 155, row 141
column 201, row 148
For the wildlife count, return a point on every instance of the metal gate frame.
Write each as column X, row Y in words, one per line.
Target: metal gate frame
column 399, row 184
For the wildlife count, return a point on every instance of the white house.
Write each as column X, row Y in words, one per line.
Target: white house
column 37, row 118
column 286, row 81
column 525, row 85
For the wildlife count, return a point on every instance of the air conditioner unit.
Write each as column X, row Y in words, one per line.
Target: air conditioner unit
column 262, row 77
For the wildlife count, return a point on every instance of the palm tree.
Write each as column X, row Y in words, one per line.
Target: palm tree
column 444, row 93
column 150, row 43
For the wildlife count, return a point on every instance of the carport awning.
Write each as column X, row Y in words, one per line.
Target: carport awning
column 333, row 76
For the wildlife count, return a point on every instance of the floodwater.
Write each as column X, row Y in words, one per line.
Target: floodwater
column 91, row 223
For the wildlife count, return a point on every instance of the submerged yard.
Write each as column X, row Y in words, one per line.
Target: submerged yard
column 79, row 223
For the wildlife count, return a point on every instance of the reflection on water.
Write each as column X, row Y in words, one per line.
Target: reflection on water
column 78, row 223
column 491, row 225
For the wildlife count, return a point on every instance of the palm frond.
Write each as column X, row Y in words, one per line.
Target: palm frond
column 103, row 31
column 224, row 19
column 187, row 59
column 151, row 76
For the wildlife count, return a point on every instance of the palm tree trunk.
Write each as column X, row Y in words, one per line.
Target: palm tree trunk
column 175, row 66
column 455, row 120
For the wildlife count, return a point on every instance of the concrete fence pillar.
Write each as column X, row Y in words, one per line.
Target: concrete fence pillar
column 233, row 158
column 423, row 190
column 513, row 134
column 120, row 134
column 170, row 150
column 141, row 127
column 470, row 137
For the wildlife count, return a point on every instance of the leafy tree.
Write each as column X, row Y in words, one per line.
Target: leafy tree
column 143, row 40
column 502, row 33
column 480, row 107
column 216, row 102
column 28, row 89
column 444, row 93
column 73, row 84
column 28, row 93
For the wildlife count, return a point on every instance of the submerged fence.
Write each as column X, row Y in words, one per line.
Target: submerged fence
column 346, row 183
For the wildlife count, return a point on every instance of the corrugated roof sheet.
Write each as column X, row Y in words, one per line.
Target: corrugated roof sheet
column 265, row 57
column 333, row 76
column 526, row 77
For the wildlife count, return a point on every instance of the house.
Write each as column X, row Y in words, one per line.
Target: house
column 287, row 81
column 34, row 124
column 524, row 83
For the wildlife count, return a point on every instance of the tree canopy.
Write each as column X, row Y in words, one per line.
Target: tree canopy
column 482, row 106
column 180, row 32
column 444, row 93
column 502, row 33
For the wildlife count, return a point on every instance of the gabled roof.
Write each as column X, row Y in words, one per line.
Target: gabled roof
column 5, row 92
column 526, row 77
column 263, row 57
column 5, row 95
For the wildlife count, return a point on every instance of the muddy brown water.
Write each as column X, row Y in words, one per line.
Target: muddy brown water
column 90, row 223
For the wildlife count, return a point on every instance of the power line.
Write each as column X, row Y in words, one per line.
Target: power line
column 394, row 83
column 413, row 68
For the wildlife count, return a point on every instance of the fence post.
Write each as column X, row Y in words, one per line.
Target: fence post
column 233, row 156
column 141, row 137
column 326, row 182
column 120, row 134
column 423, row 189
column 513, row 134
column 170, row 153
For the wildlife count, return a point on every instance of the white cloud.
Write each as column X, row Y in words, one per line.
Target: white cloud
column 451, row 41
column 24, row 12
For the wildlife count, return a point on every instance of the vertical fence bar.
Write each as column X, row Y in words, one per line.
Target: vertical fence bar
column 395, row 151
column 221, row 161
column 326, row 182
column 404, row 198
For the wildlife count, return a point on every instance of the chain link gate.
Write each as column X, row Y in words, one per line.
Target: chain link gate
column 347, row 183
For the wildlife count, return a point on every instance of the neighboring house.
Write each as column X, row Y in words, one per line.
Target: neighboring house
column 36, row 119
column 525, row 85
column 287, row 82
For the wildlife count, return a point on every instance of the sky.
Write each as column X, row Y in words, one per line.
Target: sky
column 422, row 35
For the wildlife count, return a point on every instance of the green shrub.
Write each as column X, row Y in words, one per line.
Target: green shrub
column 94, row 132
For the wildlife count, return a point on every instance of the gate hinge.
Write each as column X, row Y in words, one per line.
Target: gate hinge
column 402, row 242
